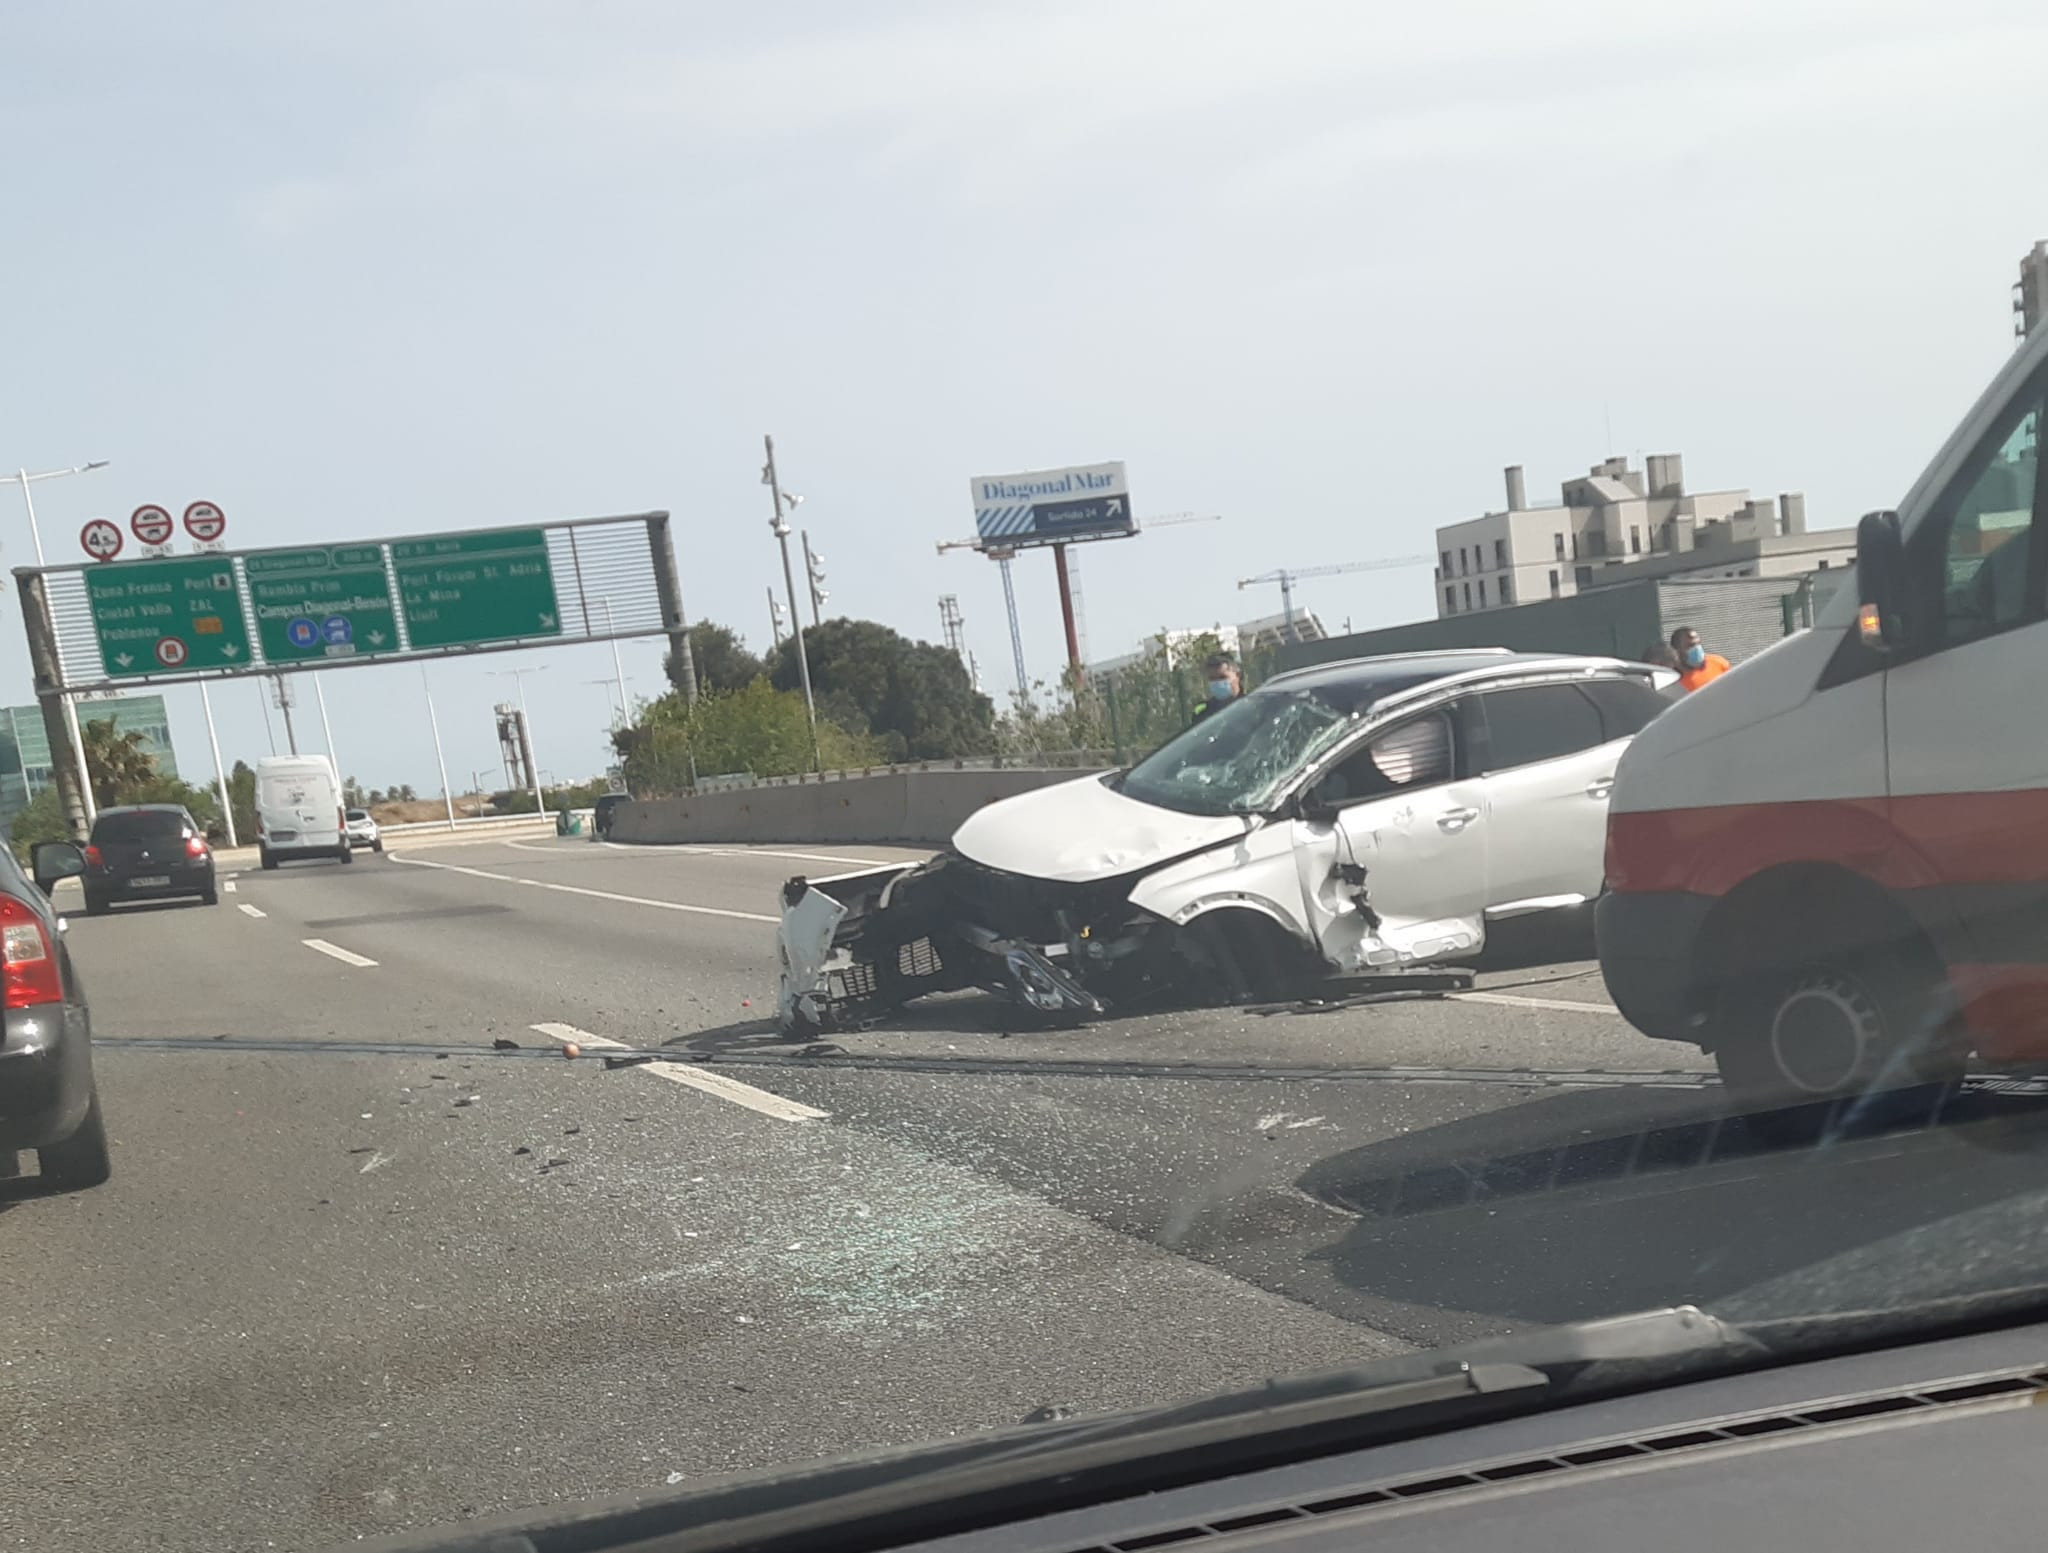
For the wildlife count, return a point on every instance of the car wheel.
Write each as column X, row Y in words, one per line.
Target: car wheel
column 1834, row 1029
column 81, row 1159
column 269, row 861
column 210, row 898
column 377, row 845
column 346, row 855
column 95, row 906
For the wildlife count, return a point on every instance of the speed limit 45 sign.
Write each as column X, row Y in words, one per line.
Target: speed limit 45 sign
column 101, row 539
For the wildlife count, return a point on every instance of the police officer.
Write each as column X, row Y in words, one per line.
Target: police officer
column 1225, row 683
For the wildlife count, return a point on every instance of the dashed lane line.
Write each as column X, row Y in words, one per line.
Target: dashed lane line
column 335, row 951
column 251, row 911
column 717, row 1085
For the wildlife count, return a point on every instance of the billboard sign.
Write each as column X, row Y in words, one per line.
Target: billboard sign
column 1052, row 506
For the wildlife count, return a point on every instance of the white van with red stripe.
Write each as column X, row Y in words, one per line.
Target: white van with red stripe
column 1829, row 867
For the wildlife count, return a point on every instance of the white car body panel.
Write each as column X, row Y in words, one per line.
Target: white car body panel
column 1258, row 874
column 1083, row 830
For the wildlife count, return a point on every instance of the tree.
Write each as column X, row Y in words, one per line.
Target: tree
column 41, row 820
column 757, row 731
column 914, row 697
column 118, row 761
column 720, row 658
column 352, row 793
column 242, row 795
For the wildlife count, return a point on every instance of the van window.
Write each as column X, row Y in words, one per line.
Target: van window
column 1984, row 577
column 1538, row 722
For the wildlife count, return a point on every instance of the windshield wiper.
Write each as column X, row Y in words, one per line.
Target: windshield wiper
column 888, row 1499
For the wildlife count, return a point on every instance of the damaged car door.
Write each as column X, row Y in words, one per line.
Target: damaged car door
column 1391, row 842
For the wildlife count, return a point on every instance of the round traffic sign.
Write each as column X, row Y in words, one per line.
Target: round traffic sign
column 170, row 651
column 101, row 539
column 203, row 521
column 152, row 525
column 302, row 633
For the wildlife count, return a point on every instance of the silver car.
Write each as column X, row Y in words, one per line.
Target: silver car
column 1340, row 821
column 362, row 830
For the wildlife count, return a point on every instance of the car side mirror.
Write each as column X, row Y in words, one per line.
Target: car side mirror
column 51, row 861
column 1313, row 807
column 1881, row 617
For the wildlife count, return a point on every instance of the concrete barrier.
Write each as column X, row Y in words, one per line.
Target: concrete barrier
column 914, row 807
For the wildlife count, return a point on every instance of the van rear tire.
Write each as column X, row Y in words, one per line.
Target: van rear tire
column 1835, row 1028
column 268, row 857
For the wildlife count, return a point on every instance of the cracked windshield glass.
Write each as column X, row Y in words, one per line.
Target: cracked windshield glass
column 738, row 735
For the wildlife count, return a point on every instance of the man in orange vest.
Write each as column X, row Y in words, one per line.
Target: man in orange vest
column 1696, row 666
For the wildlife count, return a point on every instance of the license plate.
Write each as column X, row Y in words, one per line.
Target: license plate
column 149, row 881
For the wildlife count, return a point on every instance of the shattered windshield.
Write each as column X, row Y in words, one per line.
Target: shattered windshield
column 1236, row 760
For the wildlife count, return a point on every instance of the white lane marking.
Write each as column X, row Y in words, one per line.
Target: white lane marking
column 577, row 889
column 1511, row 1001
column 345, row 956
column 250, row 911
column 229, row 886
column 717, row 1085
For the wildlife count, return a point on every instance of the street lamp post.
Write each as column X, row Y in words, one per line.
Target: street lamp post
column 618, row 663
column 779, row 526
column 25, row 480
column 441, row 760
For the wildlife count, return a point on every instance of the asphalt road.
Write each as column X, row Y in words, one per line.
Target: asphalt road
column 359, row 1271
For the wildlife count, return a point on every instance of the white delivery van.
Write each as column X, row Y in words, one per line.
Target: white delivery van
column 1829, row 867
column 299, row 812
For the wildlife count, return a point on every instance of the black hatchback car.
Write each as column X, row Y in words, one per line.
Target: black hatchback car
column 48, row 1100
column 149, row 851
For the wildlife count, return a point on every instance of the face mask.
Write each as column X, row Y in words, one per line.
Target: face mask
column 1695, row 656
column 1219, row 690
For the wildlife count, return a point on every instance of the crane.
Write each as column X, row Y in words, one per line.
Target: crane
column 1003, row 555
column 1287, row 577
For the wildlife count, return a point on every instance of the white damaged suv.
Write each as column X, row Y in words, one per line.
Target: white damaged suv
column 1344, row 820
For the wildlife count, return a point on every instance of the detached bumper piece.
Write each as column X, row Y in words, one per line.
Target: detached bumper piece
column 854, row 947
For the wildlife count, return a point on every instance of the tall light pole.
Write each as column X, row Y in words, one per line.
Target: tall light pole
column 327, row 729
column 220, row 772
column 26, row 480
column 779, row 526
column 518, row 677
column 441, row 760
column 618, row 664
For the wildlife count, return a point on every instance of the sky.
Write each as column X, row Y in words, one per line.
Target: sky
column 1320, row 267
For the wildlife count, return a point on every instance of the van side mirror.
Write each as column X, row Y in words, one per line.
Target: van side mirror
column 1881, row 615
column 51, row 861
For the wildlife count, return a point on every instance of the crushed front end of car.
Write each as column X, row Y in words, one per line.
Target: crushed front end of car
column 856, row 946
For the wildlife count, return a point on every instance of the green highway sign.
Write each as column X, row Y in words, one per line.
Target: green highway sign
column 461, row 590
column 330, row 602
column 157, row 617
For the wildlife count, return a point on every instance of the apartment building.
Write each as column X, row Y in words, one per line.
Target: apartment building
column 1616, row 524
